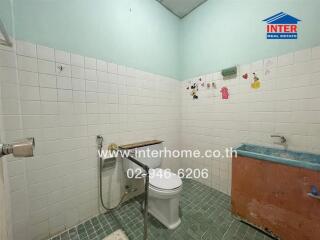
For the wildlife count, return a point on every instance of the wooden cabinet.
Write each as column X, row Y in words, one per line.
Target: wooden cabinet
column 274, row 197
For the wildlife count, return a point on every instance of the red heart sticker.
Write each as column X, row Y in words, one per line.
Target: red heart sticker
column 245, row 76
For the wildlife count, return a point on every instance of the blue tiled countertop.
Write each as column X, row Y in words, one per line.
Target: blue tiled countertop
column 291, row 158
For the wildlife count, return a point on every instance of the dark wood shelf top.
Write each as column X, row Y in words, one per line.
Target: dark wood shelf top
column 140, row 144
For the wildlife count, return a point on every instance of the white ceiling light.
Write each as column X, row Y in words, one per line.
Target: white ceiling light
column 181, row 8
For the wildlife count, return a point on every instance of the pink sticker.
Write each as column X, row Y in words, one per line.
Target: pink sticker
column 225, row 93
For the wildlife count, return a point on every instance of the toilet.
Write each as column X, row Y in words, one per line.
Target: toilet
column 164, row 188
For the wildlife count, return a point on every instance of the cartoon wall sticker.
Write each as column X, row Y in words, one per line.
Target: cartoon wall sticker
column 201, row 82
column 194, row 91
column 224, row 93
column 210, row 85
column 256, row 82
column 245, row 76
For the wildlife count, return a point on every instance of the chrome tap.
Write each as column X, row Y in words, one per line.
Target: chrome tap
column 99, row 141
column 283, row 140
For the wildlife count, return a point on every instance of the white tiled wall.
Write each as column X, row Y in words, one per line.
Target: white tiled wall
column 5, row 216
column 3, row 219
column 64, row 111
column 288, row 103
column 3, row 207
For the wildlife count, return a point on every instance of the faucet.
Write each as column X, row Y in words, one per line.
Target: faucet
column 283, row 140
column 22, row 148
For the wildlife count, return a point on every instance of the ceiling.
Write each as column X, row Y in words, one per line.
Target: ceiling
column 181, row 8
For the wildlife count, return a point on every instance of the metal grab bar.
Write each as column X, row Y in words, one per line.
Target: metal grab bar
column 146, row 193
column 6, row 42
column 114, row 147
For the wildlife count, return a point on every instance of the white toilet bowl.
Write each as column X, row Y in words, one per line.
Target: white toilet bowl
column 164, row 198
column 164, row 188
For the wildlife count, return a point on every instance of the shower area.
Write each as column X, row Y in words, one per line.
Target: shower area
column 81, row 76
column 53, row 96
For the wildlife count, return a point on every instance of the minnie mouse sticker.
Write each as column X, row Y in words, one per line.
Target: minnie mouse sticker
column 194, row 91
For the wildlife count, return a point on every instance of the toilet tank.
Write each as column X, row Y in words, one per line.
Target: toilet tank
column 152, row 161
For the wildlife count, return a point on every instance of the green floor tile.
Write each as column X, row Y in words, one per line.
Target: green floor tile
column 205, row 216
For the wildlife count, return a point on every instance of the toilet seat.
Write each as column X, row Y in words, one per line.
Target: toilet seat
column 165, row 191
column 161, row 180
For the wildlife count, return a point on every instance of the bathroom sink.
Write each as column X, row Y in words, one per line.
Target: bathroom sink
column 291, row 158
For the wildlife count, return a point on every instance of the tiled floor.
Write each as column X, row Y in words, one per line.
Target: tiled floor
column 205, row 216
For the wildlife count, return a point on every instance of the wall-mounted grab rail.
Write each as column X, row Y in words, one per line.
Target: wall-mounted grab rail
column 6, row 41
column 114, row 147
column 146, row 193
